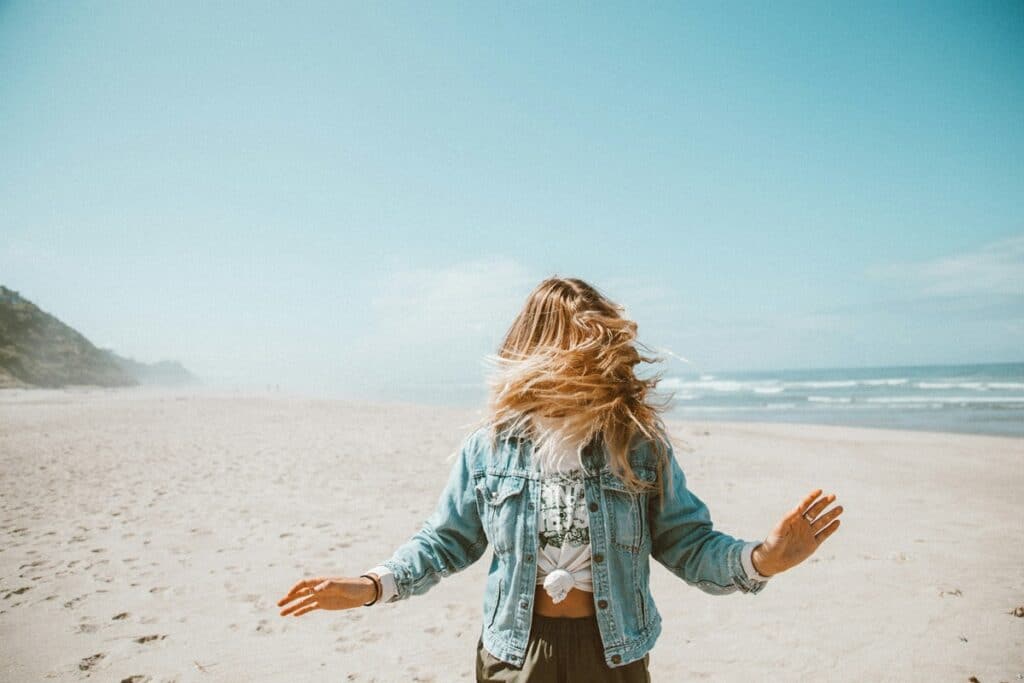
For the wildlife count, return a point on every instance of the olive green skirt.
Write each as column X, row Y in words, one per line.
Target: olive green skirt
column 560, row 650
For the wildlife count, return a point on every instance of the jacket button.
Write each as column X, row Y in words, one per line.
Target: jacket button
column 529, row 557
column 603, row 604
column 599, row 558
column 523, row 605
column 616, row 659
column 593, row 507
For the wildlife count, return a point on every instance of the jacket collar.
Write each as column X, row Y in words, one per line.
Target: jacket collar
column 594, row 455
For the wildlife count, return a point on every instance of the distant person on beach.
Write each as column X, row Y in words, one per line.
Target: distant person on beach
column 571, row 478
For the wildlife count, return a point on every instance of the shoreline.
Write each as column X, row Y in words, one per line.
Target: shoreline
column 15, row 394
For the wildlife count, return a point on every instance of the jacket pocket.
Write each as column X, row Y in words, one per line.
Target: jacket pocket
column 642, row 604
column 501, row 497
column 497, row 603
column 623, row 509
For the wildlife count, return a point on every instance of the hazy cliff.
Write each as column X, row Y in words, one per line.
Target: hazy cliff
column 38, row 350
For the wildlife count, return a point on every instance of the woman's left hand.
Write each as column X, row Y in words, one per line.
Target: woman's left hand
column 797, row 535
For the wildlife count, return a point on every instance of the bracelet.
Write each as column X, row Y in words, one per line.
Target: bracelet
column 376, row 585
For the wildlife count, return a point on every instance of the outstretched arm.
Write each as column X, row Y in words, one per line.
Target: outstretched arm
column 685, row 541
column 450, row 540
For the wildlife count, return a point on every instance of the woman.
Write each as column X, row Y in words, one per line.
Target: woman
column 571, row 478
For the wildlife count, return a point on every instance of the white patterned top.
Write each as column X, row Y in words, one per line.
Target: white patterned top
column 563, row 555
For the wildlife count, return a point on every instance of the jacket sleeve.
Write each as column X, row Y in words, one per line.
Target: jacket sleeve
column 685, row 542
column 450, row 540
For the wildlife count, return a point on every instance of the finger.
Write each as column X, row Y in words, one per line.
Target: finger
column 816, row 509
column 827, row 531
column 799, row 509
column 306, row 609
column 820, row 522
column 296, row 589
column 299, row 605
column 311, row 599
column 302, row 592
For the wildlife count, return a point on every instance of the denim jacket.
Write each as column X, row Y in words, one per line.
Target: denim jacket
column 492, row 497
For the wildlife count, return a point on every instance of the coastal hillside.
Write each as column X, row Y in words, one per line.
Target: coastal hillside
column 163, row 373
column 38, row 350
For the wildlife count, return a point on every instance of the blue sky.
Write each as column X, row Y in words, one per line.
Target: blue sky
column 357, row 198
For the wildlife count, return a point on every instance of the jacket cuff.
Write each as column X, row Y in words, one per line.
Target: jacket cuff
column 388, row 589
column 748, row 564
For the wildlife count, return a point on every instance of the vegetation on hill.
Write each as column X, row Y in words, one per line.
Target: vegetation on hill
column 38, row 350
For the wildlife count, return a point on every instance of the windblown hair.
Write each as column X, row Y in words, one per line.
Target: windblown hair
column 564, row 376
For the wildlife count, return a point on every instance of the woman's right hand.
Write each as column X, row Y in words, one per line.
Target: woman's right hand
column 797, row 535
column 324, row 593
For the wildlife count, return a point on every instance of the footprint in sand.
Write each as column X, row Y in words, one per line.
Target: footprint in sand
column 73, row 602
column 417, row 677
column 149, row 639
column 138, row 678
column 90, row 662
column 17, row 591
column 255, row 599
column 119, row 616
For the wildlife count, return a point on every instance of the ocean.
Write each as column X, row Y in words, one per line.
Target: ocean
column 977, row 399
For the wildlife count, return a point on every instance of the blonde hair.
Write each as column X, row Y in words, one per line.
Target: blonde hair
column 563, row 376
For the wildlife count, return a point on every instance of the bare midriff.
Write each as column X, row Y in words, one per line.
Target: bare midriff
column 577, row 603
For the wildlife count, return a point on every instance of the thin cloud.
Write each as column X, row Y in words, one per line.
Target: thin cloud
column 995, row 269
column 437, row 304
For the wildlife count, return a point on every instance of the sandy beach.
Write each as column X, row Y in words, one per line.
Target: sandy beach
column 147, row 535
